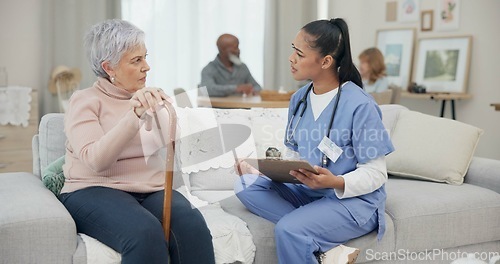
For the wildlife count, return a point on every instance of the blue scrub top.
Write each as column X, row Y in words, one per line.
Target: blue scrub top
column 358, row 130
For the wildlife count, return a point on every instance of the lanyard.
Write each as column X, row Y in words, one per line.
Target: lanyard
column 303, row 100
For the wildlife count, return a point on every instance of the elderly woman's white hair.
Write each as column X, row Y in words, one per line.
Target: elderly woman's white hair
column 108, row 41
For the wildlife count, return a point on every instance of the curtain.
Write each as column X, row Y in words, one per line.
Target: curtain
column 64, row 23
column 181, row 36
column 283, row 20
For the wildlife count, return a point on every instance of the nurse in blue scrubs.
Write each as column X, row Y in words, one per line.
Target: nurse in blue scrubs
column 336, row 126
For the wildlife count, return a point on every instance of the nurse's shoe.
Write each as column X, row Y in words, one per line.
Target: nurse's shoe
column 340, row 255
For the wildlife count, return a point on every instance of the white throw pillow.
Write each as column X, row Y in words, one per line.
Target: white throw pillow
column 390, row 114
column 268, row 129
column 432, row 148
column 201, row 154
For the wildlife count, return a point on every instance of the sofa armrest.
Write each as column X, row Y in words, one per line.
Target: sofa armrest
column 35, row 147
column 34, row 225
column 485, row 173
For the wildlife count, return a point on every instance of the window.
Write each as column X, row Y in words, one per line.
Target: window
column 181, row 36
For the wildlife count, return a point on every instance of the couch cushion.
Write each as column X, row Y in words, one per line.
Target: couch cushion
column 390, row 114
column 51, row 138
column 213, row 196
column 432, row 148
column 430, row 215
column 263, row 234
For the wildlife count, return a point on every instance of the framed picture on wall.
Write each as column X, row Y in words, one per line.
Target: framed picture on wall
column 397, row 47
column 448, row 15
column 408, row 10
column 426, row 20
column 443, row 64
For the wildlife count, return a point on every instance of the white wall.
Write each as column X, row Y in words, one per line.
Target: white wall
column 480, row 20
column 38, row 35
column 284, row 18
column 20, row 49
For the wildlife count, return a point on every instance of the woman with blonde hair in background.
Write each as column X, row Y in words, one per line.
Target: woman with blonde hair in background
column 372, row 70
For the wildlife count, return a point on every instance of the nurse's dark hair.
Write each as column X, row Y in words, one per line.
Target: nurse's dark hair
column 332, row 38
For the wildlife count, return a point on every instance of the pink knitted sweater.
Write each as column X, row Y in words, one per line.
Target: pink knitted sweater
column 106, row 143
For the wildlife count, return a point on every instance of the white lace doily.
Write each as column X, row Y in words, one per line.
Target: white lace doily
column 15, row 106
column 267, row 127
column 197, row 144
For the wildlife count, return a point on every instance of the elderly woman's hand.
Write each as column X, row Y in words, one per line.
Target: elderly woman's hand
column 148, row 98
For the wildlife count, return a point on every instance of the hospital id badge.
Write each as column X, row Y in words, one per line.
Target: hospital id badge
column 330, row 149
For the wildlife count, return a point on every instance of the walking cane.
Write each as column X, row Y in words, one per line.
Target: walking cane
column 169, row 172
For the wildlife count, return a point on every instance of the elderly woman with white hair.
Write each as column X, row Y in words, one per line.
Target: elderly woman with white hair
column 112, row 190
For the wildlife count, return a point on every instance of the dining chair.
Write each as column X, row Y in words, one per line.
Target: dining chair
column 396, row 93
column 182, row 98
column 384, row 97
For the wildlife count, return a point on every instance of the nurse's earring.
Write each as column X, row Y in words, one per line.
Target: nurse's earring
column 112, row 79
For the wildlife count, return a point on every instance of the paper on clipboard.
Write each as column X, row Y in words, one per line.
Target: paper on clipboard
column 279, row 170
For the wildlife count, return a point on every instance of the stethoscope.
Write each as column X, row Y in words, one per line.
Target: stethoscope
column 303, row 101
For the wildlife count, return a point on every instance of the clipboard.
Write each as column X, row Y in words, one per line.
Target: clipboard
column 279, row 170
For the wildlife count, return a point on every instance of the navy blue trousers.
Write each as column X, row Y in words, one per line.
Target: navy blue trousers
column 130, row 223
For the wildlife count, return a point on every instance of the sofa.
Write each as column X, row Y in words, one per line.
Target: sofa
column 432, row 222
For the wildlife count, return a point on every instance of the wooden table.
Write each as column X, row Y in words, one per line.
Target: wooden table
column 443, row 97
column 238, row 101
column 497, row 107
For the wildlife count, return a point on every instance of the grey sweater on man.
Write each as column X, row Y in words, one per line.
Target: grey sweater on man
column 219, row 81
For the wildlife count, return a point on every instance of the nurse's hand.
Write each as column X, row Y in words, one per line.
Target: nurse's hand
column 324, row 178
column 242, row 167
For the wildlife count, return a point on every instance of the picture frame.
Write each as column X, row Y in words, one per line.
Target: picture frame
column 408, row 11
column 426, row 20
column 397, row 46
column 391, row 11
column 448, row 15
column 443, row 63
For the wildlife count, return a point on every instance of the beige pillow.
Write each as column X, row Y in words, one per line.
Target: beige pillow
column 432, row 148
